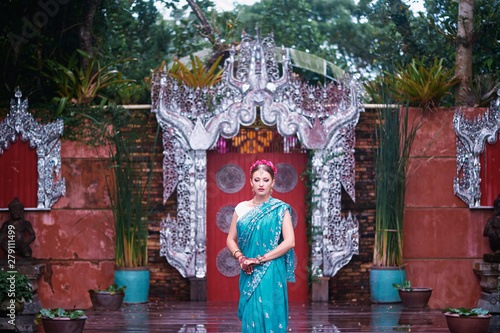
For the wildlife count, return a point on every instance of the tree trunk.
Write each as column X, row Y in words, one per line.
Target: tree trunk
column 465, row 39
column 206, row 28
column 85, row 31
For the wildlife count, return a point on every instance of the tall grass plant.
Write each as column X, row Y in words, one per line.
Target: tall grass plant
column 129, row 185
column 395, row 134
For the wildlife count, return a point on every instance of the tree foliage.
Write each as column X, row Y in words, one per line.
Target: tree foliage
column 364, row 36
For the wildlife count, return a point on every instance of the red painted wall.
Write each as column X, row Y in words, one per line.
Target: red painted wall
column 75, row 239
column 442, row 236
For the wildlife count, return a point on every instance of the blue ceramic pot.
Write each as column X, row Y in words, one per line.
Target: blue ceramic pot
column 137, row 281
column 381, row 280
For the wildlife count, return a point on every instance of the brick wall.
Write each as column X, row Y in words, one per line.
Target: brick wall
column 352, row 282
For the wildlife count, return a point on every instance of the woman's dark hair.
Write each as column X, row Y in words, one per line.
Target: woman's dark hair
column 264, row 167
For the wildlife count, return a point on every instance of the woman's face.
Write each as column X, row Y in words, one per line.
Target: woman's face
column 261, row 182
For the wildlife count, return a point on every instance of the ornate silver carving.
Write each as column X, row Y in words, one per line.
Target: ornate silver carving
column 322, row 118
column 230, row 178
column 223, row 218
column 327, row 328
column 335, row 239
column 472, row 135
column 286, row 178
column 183, row 242
column 194, row 328
column 226, row 264
column 317, row 115
column 170, row 176
column 45, row 138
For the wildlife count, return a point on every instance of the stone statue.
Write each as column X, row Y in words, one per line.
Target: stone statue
column 17, row 230
column 492, row 231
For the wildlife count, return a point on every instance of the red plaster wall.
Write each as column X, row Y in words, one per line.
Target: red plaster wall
column 442, row 236
column 75, row 238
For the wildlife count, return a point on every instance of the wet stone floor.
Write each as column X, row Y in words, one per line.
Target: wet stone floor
column 204, row 317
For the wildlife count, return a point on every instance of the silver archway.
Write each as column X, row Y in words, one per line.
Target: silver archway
column 323, row 119
column 45, row 138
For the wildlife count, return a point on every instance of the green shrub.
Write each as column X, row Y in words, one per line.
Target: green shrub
column 421, row 86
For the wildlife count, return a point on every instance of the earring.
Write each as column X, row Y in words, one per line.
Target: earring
column 253, row 192
column 271, row 190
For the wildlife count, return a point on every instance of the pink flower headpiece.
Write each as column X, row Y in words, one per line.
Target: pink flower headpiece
column 264, row 162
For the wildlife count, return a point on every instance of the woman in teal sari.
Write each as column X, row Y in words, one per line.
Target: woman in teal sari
column 261, row 238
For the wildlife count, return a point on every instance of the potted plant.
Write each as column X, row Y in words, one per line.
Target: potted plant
column 413, row 297
column 131, row 150
column 129, row 190
column 125, row 137
column 463, row 320
column 15, row 290
column 395, row 135
column 109, row 299
column 60, row 320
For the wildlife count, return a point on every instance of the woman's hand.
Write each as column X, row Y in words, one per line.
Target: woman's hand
column 252, row 261
column 244, row 266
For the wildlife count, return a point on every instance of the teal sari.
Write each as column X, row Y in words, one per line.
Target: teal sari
column 263, row 305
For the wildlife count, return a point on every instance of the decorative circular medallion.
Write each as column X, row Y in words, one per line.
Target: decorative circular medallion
column 226, row 264
column 224, row 217
column 286, row 178
column 230, row 178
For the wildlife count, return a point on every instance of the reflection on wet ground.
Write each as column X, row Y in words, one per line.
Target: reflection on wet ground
column 204, row 317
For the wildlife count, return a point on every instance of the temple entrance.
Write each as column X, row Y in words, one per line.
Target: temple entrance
column 227, row 185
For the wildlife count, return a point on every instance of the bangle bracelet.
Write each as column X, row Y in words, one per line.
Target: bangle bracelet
column 234, row 252
column 260, row 258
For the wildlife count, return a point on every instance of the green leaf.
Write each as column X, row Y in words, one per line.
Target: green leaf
column 60, row 312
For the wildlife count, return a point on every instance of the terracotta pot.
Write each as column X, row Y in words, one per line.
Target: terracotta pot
column 467, row 324
column 106, row 301
column 416, row 298
column 66, row 325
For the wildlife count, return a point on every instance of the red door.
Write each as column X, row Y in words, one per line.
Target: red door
column 228, row 184
column 19, row 175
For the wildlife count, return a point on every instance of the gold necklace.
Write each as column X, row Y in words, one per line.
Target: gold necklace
column 257, row 203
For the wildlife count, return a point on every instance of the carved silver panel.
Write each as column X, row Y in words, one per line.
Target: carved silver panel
column 335, row 239
column 183, row 241
column 226, row 264
column 322, row 117
column 327, row 328
column 193, row 328
column 286, row 178
column 472, row 135
column 316, row 114
column 170, row 176
column 45, row 138
column 223, row 218
column 230, row 178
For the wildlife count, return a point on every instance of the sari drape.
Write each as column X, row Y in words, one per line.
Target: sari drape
column 263, row 305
